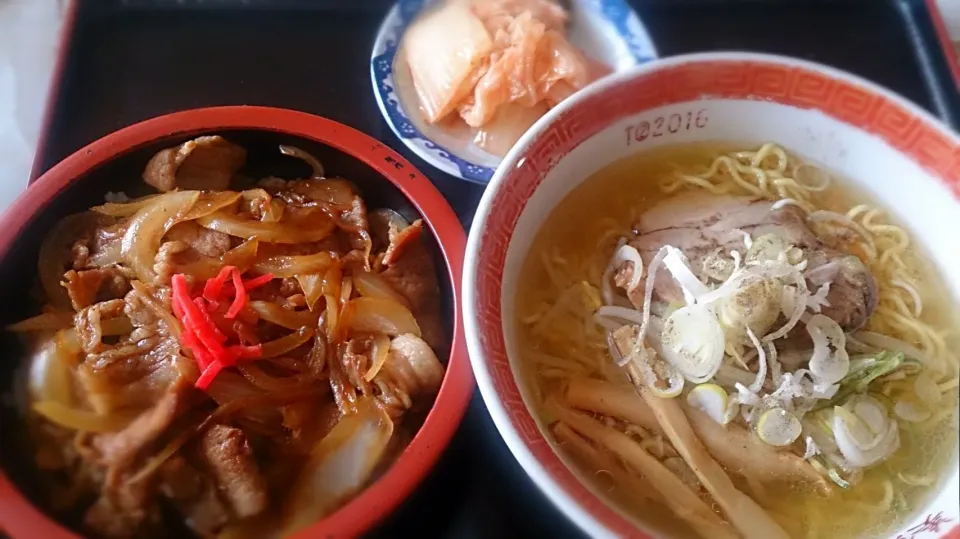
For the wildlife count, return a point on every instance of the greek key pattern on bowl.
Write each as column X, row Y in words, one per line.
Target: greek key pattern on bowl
column 796, row 86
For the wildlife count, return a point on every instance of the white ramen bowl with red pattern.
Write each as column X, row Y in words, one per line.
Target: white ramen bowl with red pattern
column 887, row 146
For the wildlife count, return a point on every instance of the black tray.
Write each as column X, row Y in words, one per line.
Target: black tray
column 127, row 60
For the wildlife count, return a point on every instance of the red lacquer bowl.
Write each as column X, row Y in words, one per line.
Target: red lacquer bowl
column 114, row 163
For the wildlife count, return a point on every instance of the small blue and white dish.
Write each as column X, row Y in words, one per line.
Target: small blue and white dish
column 606, row 30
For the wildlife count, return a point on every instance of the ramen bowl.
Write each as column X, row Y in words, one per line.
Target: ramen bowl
column 887, row 147
column 115, row 162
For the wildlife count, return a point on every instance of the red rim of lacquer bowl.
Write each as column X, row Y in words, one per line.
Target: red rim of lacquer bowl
column 20, row 518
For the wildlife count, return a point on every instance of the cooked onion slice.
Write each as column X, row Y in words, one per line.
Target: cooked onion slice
column 49, row 375
column 778, row 427
column 304, row 156
column 286, row 343
column 80, row 420
column 124, row 209
column 49, row 321
column 241, row 257
column 381, row 346
column 339, row 465
column 234, row 225
column 372, row 285
column 830, row 362
column 312, row 286
column 692, row 341
column 210, row 202
column 377, row 315
column 275, row 314
column 142, row 240
column 55, row 253
column 291, row 266
column 710, row 398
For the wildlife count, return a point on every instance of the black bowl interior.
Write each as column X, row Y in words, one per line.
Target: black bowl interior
column 123, row 174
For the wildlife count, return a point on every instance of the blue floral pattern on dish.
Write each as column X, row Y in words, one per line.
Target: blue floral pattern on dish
column 617, row 13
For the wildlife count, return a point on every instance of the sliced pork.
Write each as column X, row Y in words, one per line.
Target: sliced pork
column 703, row 225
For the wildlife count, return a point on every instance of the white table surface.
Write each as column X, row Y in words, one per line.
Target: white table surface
column 29, row 30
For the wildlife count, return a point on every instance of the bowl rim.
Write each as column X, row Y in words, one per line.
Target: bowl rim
column 595, row 516
column 20, row 518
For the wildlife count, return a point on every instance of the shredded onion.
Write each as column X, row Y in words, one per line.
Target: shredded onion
column 819, row 300
column 774, row 363
column 745, row 396
column 799, row 308
column 758, row 382
column 612, row 316
column 812, row 449
column 606, row 287
column 648, row 296
column 732, row 285
column 692, row 287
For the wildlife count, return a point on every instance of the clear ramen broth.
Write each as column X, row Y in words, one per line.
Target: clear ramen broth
column 564, row 347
